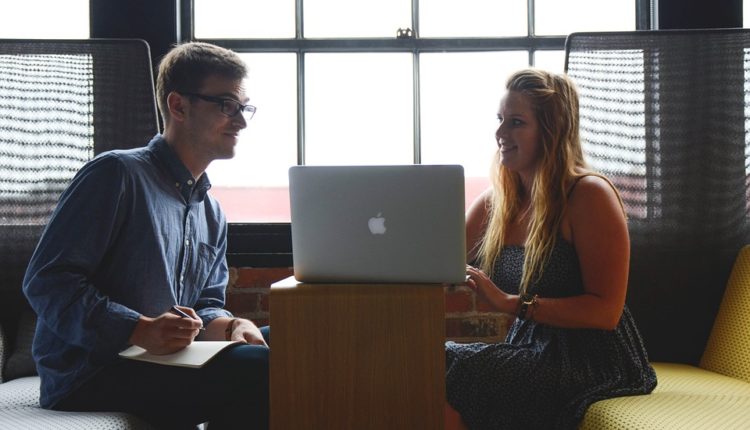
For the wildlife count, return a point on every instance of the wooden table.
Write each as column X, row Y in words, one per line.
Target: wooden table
column 357, row 356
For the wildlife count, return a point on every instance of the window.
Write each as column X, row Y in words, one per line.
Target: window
column 45, row 19
column 379, row 82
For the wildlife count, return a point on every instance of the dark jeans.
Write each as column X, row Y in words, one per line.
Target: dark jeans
column 230, row 391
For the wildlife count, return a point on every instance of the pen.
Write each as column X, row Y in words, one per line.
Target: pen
column 176, row 310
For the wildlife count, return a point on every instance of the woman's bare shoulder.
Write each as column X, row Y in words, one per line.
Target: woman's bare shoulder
column 594, row 205
column 592, row 188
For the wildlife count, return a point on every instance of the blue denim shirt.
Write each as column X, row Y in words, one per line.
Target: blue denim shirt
column 133, row 234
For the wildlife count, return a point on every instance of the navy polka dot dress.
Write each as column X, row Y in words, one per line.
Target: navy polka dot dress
column 544, row 377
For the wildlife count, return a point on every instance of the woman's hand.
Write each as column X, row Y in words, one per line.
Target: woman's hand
column 488, row 291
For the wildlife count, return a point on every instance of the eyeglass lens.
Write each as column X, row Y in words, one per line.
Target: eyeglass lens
column 232, row 108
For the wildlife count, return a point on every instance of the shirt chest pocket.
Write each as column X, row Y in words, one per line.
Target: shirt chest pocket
column 200, row 268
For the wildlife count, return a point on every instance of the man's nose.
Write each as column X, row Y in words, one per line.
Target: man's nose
column 240, row 120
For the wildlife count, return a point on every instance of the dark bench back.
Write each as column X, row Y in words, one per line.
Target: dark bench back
column 664, row 114
column 64, row 102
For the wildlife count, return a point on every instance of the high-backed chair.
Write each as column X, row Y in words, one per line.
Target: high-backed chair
column 61, row 103
column 665, row 115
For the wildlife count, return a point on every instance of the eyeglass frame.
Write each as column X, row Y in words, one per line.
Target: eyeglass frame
column 221, row 101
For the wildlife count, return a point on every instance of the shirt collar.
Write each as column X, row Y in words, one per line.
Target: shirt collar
column 180, row 175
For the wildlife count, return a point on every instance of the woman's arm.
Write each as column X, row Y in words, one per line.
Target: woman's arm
column 477, row 218
column 599, row 232
column 476, row 222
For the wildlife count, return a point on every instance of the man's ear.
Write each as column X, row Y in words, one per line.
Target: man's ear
column 177, row 106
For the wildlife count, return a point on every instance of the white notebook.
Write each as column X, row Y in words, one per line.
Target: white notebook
column 196, row 354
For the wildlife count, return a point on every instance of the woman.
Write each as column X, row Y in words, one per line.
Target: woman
column 550, row 243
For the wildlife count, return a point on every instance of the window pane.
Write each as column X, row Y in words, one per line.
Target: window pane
column 355, row 18
column 564, row 17
column 244, row 19
column 472, row 18
column 359, row 109
column 253, row 186
column 45, row 19
column 460, row 95
column 552, row 61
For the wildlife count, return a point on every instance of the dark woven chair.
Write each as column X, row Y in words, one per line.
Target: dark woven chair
column 665, row 115
column 61, row 103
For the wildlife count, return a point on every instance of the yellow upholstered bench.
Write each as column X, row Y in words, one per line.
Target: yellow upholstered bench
column 713, row 395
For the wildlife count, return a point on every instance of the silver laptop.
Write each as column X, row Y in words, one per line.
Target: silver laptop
column 378, row 224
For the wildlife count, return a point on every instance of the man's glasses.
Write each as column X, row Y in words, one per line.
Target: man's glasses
column 229, row 107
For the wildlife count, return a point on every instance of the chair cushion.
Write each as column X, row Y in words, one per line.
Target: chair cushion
column 21, row 392
column 20, row 361
column 19, row 409
column 728, row 348
column 678, row 378
column 686, row 397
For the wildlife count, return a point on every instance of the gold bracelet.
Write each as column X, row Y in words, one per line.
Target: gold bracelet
column 532, row 307
column 228, row 331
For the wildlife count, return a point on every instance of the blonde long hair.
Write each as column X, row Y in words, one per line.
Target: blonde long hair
column 555, row 102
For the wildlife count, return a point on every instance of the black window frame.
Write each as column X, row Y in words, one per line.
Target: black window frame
column 269, row 244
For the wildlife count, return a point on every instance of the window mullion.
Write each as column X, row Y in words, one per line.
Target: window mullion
column 417, row 97
column 299, row 23
column 417, row 111
column 186, row 21
column 300, row 108
column 530, row 6
column 415, row 17
column 299, row 35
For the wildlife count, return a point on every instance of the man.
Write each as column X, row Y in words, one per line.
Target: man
column 134, row 234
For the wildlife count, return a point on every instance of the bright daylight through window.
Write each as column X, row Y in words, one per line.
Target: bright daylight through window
column 332, row 86
column 44, row 19
column 358, row 104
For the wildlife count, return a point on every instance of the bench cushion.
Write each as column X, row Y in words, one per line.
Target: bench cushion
column 728, row 348
column 19, row 409
column 686, row 397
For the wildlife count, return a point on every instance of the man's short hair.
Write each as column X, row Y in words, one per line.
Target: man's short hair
column 186, row 67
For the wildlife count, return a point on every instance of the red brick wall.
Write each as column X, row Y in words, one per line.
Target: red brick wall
column 247, row 293
column 470, row 319
column 467, row 318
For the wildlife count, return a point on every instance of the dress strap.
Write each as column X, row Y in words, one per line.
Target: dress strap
column 575, row 182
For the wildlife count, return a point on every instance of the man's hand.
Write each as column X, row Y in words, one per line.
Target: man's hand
column 240, row 330
column 245, row 331
column 166, row 333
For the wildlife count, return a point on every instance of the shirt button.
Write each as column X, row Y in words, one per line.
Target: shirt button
column 187, row 242
column 182, row 278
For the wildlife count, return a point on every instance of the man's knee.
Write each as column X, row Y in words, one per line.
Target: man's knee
column 250, row 361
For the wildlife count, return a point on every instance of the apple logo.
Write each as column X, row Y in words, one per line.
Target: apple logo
column 377, row 224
